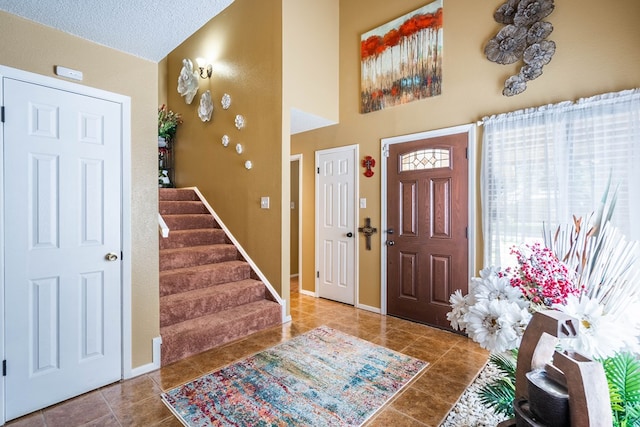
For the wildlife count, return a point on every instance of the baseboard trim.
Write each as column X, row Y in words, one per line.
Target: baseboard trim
column 308, row 293
column 368, row 308
column 149, row 367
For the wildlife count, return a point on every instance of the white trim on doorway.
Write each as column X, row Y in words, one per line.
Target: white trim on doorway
column 125, row 102
column 298, row 158
column 470, row 129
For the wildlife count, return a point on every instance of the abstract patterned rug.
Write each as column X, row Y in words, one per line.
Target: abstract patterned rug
column 321, row 378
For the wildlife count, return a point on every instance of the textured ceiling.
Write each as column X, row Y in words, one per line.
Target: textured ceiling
column 143, row 28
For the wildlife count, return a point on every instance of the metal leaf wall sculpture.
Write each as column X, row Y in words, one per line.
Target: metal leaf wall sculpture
column 522, row 39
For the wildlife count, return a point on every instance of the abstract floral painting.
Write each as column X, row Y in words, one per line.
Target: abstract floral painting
column 401, row 61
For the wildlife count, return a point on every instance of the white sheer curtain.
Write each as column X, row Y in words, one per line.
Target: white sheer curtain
column 543, row 165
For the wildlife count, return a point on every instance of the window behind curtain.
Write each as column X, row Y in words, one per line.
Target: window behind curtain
column 541, row 166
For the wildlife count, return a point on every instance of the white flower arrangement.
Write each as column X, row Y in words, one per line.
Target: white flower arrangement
column 599, row 288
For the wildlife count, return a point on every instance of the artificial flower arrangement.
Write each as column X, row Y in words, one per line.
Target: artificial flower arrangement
column 591, row 273
column 168, row 122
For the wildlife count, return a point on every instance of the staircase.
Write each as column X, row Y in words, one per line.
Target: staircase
column 209, row 295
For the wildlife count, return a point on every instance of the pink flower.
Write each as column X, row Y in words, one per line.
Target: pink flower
column 540, row 276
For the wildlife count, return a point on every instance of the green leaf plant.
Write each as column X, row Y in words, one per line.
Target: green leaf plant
column 500, row 393
column 623, row 377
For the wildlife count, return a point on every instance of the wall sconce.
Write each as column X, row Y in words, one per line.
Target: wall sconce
column 205, row 69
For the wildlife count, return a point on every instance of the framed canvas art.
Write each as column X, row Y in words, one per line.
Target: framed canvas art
column 401, row 61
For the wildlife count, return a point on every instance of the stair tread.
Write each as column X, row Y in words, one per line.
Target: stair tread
column 177, row 194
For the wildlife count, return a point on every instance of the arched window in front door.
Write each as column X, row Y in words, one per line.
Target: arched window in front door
column 430, row 158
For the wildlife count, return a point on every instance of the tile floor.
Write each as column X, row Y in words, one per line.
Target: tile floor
column 454, row 361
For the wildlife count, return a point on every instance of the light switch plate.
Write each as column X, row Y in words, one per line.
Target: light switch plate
column 363, row 203
column 264, row 202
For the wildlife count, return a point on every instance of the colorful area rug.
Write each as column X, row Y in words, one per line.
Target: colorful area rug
column 321, row 378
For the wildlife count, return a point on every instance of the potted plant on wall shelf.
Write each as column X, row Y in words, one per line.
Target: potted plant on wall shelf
column 168, row 122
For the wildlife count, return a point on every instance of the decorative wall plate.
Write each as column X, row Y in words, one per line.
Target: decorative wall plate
column 239, row 148
column 206, row 107
column 187, row 81
column 225, row 140
column 239, row 121
column 226, row 101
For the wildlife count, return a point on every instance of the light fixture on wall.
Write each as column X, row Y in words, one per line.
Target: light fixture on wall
column 205, row 69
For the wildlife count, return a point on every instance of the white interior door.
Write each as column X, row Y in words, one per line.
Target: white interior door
column 62, row 197
column 336, row 227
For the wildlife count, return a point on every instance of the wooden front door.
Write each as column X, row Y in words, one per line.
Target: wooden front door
column 427, row 219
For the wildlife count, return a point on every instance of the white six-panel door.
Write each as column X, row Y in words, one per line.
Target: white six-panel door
column 336, row 224
column 62, row 196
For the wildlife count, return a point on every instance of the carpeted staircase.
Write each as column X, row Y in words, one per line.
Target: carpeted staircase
column 209, row 295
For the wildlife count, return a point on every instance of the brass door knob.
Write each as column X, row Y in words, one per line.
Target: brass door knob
column 111, row 256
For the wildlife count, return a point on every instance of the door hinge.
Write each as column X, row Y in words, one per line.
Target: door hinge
column 121, row 255
column 466, row 232
column 318, row 171
column 466, row 153
column 2, row 114
column 317, row 274
column 4, row 368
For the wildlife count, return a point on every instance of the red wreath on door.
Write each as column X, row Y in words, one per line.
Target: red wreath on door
column 368, row 162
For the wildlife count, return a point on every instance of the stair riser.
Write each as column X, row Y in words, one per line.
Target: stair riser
column 171, row 282
column 170, row 207
column 198, row 237
column 189, row 222
column 178, row 344
column 172, row 312
column 192, row 257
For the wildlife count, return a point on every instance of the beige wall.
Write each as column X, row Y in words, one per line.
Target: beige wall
column 36, row 48
column 244, row 42
column 310, row 56
column 597, row 51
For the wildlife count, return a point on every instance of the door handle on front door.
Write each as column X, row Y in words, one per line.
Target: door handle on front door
column 349, row 234
column 111, row 256
column 390, row 243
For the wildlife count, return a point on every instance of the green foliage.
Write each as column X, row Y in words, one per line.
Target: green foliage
column 623, row 378
column 168, row 122
column 500, row 393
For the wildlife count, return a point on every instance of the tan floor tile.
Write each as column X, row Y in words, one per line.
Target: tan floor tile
column 132, row 390
column 142, row 413
column 35, row 419
column 429, row 348
column 175, row 374
column 459, row 367
column 424, row 407
column 106, row 421
column 81, row 410
column 391, row 417
column 436, row 384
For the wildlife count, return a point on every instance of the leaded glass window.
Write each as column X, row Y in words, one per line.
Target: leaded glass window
column 430, row 158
